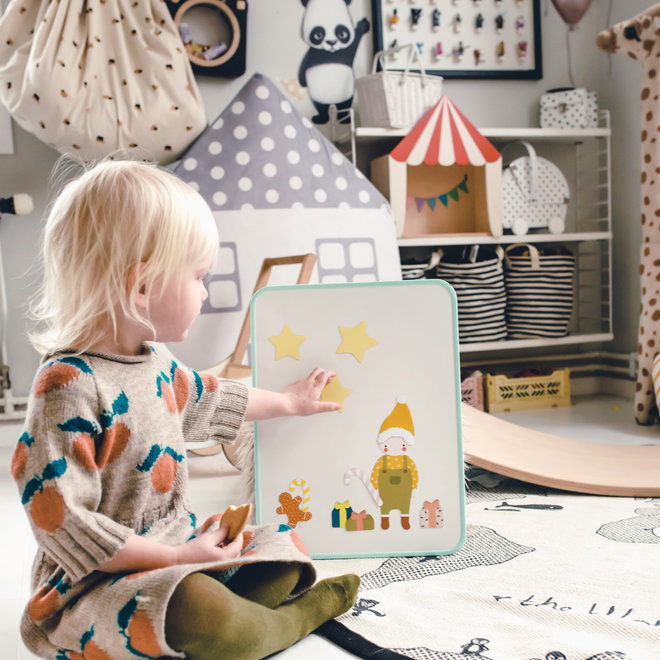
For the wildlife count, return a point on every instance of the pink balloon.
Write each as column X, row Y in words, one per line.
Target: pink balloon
column 571, row 11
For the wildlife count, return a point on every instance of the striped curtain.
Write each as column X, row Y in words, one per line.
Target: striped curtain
column 476, row 275
column 539, row 290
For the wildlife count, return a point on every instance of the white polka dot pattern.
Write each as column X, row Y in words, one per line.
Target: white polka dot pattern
column 261, row 152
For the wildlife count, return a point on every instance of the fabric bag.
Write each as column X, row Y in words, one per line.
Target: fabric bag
column 569, row 107
column 539, row 291
column 396, row 99
column 411, row 269
column 89, row 77
column 535, row 193
column 476, row 275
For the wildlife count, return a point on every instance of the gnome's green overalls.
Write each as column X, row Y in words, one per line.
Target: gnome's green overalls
column 394, row 475
column 395, row 488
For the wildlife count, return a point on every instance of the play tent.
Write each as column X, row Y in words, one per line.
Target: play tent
column 278, row 187
column 444, row 177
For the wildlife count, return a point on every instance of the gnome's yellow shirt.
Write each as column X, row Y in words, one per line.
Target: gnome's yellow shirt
column 394, row 463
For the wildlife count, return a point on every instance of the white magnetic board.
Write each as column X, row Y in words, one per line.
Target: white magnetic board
column 384, row 476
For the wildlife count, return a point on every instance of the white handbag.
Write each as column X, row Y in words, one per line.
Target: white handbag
column 89, row 79
column 396, row 99
column 535, row 193
column 569, row 108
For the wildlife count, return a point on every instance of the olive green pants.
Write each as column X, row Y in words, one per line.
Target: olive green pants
column 251, row 616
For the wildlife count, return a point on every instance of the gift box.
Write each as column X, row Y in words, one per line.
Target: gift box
column 430, row 515
column 359, row 522
column 341, row 513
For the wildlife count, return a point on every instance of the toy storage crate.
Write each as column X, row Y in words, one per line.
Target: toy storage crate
column 509, row 393
column 472, row 391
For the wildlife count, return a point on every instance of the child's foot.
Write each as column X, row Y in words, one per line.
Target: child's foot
column 342, row 592
column 326, row 600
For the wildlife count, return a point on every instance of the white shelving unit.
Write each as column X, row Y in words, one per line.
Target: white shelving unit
column 584, row 157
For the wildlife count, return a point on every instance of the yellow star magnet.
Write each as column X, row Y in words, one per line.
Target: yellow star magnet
column 335, row 391
column 287, row 344
column 356, row 340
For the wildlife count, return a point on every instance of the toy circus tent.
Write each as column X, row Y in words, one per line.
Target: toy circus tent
column 278, row 187
column 444, row 177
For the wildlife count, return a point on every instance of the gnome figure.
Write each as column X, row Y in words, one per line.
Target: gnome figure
column 395, row 474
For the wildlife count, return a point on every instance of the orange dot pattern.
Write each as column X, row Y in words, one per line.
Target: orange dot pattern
column 138, row 630
column 98, row 448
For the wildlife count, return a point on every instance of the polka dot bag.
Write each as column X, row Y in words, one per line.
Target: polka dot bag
column 89, row 77
column 568, row 107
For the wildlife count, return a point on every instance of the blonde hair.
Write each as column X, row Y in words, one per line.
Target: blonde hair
column 114, row 216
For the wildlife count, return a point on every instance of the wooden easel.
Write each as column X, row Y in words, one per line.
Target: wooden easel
column 233, row 366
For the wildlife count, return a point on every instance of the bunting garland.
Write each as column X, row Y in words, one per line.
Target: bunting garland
column 444, row 197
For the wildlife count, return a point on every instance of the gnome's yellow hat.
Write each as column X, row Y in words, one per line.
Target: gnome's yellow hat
column 398, row 424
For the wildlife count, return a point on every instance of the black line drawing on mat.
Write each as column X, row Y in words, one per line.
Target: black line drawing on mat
column 643, row 528
column 483, row 547
column 363, row 605
column 505, row 506
column 473, row 649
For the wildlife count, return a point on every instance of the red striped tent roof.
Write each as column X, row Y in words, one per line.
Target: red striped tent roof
column 444, row 136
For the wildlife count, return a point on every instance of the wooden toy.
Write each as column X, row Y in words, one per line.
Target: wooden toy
column 549, row 460
column 444, row 177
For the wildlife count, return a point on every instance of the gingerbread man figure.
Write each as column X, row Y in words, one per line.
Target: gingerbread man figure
column 290, row 507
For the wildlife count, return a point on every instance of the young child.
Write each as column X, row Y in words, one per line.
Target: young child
column 122, row 571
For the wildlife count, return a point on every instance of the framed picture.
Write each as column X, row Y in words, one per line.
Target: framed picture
column 384, row 475
column 463, row 38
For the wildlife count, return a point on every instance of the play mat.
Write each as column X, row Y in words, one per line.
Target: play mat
column 543, row 574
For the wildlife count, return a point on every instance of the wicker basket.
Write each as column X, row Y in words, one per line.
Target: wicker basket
column 508, row 393
column 396, row 99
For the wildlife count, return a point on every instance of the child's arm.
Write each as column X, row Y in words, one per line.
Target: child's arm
column 143, row 554
column 299, row 398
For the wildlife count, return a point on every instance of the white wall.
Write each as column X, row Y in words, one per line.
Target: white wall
column 275, row 49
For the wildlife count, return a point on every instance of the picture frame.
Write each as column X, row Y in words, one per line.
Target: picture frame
column 475, row 39
column 383, row 476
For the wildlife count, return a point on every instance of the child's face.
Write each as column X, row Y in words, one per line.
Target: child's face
column 173, row 310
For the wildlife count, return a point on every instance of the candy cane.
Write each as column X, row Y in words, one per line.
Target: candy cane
column 354, row 472
column 302, row 484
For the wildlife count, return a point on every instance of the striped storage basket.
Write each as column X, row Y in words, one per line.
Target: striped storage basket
column 476, row 275
column 539, row 290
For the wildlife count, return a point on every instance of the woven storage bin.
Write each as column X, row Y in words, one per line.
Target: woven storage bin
column 509, row 393
column 396, row 99
column 476, row 275
column 539, row 291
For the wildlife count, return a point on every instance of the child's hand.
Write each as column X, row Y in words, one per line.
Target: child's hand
column 305, row 394
column 208, row 547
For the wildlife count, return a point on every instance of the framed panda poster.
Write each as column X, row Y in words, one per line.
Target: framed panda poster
column 384, row 475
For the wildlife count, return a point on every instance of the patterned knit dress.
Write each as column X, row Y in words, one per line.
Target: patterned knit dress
column 102, row 457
